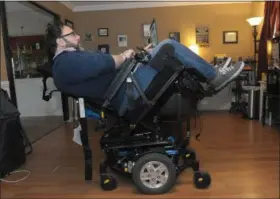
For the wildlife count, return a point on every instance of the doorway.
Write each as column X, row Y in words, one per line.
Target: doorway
column 25, row 26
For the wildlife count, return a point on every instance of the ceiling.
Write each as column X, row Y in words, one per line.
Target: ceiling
column 24, row 6
column 81, row 6
column 13, row 6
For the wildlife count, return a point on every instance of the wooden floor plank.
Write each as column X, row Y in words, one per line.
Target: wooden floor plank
column 241, row 156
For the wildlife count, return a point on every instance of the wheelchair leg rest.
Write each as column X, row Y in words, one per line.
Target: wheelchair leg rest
column 86, row 149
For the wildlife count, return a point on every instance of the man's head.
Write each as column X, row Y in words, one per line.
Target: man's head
column 58, row 37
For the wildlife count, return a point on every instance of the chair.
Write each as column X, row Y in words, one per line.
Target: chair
column 139, row 142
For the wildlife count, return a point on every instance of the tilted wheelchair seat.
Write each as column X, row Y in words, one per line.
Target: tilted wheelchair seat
column 139, row 142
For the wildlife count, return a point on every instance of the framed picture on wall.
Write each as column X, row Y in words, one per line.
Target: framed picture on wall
column 122, row 40
column 103, row 32
column 146, row 30
column 69, row 23
column 104, row 48
column 202, row 36
column 88, row 36
column 230, row 37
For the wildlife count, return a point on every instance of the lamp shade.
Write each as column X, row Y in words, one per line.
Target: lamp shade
column 255, row 21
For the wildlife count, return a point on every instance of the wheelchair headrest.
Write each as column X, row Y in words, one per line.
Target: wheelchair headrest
column 45, row 70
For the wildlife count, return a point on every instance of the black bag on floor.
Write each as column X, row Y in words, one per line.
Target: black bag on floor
column 13, row 140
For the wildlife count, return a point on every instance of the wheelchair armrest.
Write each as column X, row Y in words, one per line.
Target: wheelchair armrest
column 114, row 87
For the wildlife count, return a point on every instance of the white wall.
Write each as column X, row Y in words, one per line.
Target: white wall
column 30, row 103
column 34, row 23
column 29, row 98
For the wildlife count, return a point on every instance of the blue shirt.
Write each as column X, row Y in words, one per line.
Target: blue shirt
column 89, row 74
column 84, row 74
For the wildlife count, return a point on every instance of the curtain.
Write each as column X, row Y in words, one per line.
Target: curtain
column 271, row 16
column 277, row 11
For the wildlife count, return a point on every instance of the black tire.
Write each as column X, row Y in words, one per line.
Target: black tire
column 154, row 157
column 202, row 179
column 108, row 182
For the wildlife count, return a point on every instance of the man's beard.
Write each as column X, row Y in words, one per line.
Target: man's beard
column 71, row 45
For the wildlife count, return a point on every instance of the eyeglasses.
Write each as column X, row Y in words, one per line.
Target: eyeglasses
column 71, row 33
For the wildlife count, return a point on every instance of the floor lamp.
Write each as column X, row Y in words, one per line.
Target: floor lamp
column 254, row 22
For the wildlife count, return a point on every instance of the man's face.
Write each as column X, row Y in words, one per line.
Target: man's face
column 68, row 38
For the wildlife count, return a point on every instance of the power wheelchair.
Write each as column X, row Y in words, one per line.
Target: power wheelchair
column 147, row 141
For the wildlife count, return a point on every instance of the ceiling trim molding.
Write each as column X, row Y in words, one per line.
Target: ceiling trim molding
column 68, row 5
column 133, row 5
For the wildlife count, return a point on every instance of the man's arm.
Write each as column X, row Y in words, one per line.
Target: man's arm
column 84, row 65
column 119, row 59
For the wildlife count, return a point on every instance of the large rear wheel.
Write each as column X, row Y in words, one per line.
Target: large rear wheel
column 154, row 173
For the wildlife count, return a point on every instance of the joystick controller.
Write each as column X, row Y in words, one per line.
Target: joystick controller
column 143, row 56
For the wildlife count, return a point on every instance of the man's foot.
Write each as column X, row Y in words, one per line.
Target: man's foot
column 224, row 64
column 226, row 74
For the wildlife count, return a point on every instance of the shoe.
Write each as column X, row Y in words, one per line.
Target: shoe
column 226, row 74
column 224, row 64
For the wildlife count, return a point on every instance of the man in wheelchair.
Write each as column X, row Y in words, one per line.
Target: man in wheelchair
column 144, row 91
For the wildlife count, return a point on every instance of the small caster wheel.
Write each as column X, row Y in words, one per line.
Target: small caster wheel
column 201, row 179
column 154, row 173
column 107, row 182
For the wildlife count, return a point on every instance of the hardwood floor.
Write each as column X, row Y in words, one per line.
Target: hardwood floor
column 37, row 127
column 241, row 156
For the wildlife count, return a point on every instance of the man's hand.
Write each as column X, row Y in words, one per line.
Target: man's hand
column 129, row 53
column 119, row 59
column 149, row 48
